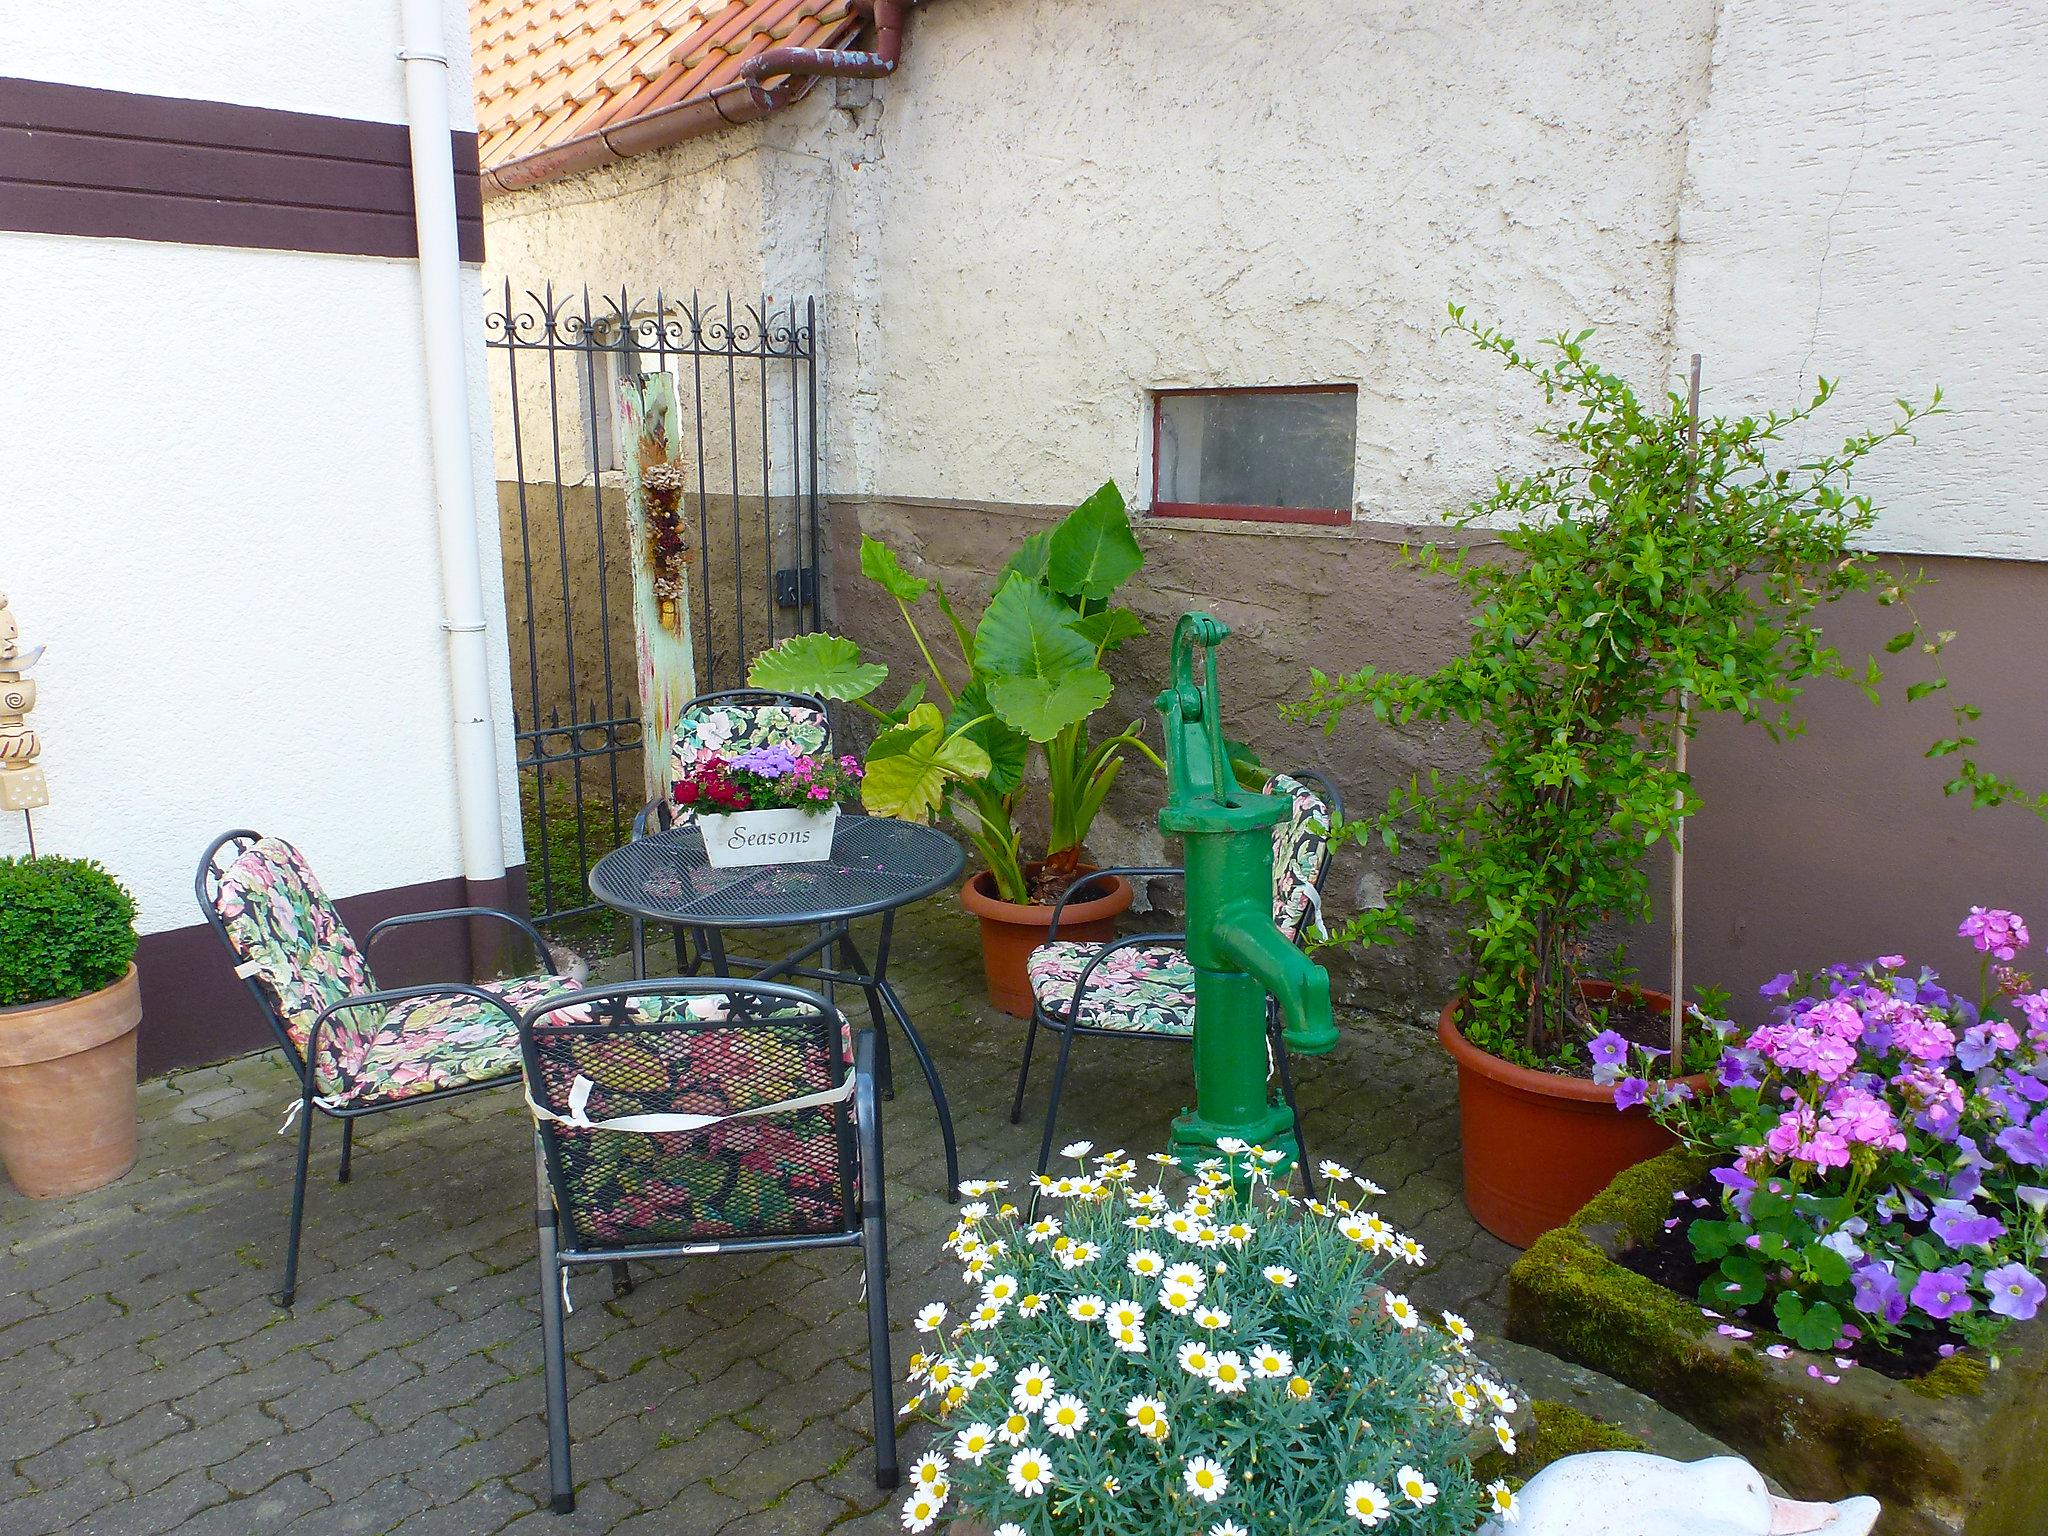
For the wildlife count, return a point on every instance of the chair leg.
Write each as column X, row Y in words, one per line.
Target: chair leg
column 622, row 1279
column 555, row 1361
column 348, row 1147
column 875, row 1252
column 1279, row 1048
column 290, row 1289
column 1024, row 1070
column 1052, row 1107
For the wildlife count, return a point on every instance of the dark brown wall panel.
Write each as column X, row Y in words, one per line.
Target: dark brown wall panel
column 79, row 161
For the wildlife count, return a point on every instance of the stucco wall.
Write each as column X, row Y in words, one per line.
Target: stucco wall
column 1863, row 200
column 219, row 499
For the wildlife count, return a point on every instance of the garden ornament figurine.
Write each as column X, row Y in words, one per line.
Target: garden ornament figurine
column 22, row 786
column 1626, row 1493
column 1238, row 956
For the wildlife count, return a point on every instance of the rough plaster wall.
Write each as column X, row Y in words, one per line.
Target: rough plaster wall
column 287, row 54
column 1864, row 200
column 233, row 564
column 1088, row 199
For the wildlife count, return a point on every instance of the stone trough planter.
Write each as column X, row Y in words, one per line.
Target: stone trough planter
column 1955, row 1453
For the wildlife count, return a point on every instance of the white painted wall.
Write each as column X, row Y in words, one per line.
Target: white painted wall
column 1865, row 199
column 216, row 500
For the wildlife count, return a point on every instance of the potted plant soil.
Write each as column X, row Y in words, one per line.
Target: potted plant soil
column 69, row 1007
column 1659, row 569
column 1024, row 682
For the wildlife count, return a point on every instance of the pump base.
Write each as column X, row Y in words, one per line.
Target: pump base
column 1193, row 1139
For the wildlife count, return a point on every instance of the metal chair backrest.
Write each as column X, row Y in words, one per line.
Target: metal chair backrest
column 730, row 1054
column 290, row 946
column 1301, row 849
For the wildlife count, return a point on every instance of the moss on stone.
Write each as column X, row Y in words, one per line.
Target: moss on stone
column 1565, row 1296
column 1559, row 1430
column 1639, row 1200
column 1959, row 1375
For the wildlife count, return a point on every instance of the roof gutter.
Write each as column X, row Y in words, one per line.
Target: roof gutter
column 728, row 105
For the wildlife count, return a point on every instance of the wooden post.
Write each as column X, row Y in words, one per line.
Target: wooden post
column 1692, row 443
column 659, row 534
column 22, row 785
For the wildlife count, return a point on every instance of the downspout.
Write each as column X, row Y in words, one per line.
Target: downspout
column 425, row 59
column 804, row 64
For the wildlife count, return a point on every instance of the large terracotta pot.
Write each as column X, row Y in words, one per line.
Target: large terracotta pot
column 1538, row 1146
column 67, row 1090
column 1011, row 930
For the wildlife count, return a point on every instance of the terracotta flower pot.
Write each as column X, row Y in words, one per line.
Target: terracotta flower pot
column 1010, row 930
column 67, row 1090
column 1538, row 1146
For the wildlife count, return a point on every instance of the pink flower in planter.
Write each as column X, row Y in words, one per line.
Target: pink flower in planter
column 1994, row 931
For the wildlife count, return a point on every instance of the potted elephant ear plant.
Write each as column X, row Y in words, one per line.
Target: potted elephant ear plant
column 69, row 1007
column 1659, row 569
column 1024, row 681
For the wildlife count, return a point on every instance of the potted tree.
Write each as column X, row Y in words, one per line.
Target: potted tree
column 1659, row 568
column 1027, row 683
column 69, row 1006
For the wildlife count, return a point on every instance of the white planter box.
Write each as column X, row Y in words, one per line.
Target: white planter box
column 767, row 837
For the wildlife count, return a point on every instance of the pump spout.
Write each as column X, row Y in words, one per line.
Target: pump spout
column 1246, row 940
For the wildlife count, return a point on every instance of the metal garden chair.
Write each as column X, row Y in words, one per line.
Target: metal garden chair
column 701, row 1116
column 358, row 1049
column 1142, row 987
column 729, row 721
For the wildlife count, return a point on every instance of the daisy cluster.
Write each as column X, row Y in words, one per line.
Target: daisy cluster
column 1223, row 1359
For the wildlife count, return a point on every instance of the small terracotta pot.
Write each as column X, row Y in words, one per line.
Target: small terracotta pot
column 1538, row 1146
column 1010, row 930
column 67, row 1090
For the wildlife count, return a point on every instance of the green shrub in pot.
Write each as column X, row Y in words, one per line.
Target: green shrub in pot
column 67, row 928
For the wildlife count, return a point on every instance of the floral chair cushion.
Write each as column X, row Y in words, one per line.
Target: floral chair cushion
column 1148, row 989
column 1301, row 848
column 772, row 1175
column 717, row 730
column 439, row 1040
column 294, row 946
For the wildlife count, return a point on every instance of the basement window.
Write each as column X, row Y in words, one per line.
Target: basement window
column 1280, row 455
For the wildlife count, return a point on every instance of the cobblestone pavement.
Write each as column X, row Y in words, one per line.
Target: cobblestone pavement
column 147, row 1383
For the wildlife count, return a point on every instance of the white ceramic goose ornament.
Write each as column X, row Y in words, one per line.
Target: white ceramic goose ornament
column 1625, row 1493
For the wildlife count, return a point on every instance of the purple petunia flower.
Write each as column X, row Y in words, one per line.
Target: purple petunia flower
column 1943, row 1293
column 1738, row 1069
column 2015, row 1292
column 1983, row 1043
column 1778, row 986
column 1890, row 962
column 1961, row 1225
column 2022, row 1145
column 1608, row 1049
column 1630, row 1092
column 1877, row 1292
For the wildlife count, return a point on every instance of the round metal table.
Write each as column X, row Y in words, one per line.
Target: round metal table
column 876, row 866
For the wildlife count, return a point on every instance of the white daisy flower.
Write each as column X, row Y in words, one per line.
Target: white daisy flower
column 1399, row 1309
column 1227, row 1375
column 1077, row 1149
column 1029, row 1471
column 1497, row 1395
column 1411, row 1250
column 985, row 1315
column 1085, row 1309
column 973, row 1211
column 975, row 1188
column 1232, row 1144
column 1034, row 1384
column 923, row 1506
column 1146, row 1263
column 1205, row 1478
column 1074, row 1255
column 1210, row 1318
column 1010, row 1528
column 1065, row 1416
column 1335, row 1172
column 1416, row 1488
column 1280, row 1275
column 1194, row 1359
column 1000, row 1289
column 1299, row 1388
column 1270, row 1156
column 1367, row 1503
column 1504, row 1432
column 1352, row 1228
column 1501, row 1499
column 978, row 1369
column 931, row 1317
column 940, row 1372
column 1042, row 1230
column 1125, row 1314
column 1270, row 1363
column 1177, row 1298
column 1189, row 1275
column 1130, row 1340
column 1147, row 1415
column 974, row 1442
column 1237, row 1234
column 928, row 1469
column 1228, row 1528
column 1163, row 1159
column 1013, row 1429
column 1148, row 1200
column 1457, row 1328
column 1031, row 1305
column 1368, row 1186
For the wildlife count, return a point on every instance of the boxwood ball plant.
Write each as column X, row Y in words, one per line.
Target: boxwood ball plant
column 1223, row 1361
column 67, row 927
column 1882, row 1151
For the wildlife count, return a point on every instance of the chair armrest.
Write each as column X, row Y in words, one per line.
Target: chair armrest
column 540, row 945
column 867, row 1123
column 1133, row 941
column 655, row 816
column 1144, row 871
column 384, row 999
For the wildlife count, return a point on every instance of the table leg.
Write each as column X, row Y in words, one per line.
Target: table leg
column 639, row 950
column 888, row 998
column 850, row 960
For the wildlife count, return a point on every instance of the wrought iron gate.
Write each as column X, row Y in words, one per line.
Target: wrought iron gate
column 747, row 392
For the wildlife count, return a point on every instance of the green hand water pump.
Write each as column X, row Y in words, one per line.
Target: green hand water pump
column 1239, row 956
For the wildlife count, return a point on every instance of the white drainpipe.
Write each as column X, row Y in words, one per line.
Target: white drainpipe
column 462, row 588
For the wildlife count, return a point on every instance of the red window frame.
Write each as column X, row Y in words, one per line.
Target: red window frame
column 1324, row 517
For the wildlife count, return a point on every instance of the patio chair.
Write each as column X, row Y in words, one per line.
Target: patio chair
column 358, row 1049
column 727, row 721
column 704, row 1116
column 1142, row 987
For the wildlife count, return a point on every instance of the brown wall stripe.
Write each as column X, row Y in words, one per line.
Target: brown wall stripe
column 80, row 161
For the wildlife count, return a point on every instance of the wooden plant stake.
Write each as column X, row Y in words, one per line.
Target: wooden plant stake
column 1692, row 443
column 658, row 532
column 22, row 785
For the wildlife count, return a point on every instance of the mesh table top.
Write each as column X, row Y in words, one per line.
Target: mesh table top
column 875, row 864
